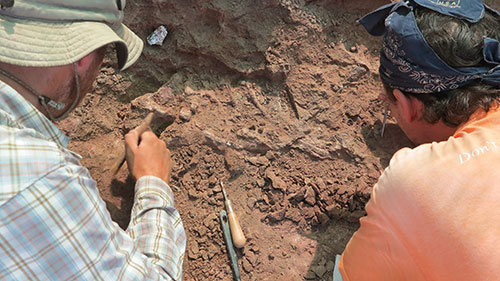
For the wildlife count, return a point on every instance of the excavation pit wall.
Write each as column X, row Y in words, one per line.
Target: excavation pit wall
column 276, row 98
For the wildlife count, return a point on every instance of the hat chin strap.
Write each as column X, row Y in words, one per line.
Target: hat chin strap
column 45, row 101
column 75, row 101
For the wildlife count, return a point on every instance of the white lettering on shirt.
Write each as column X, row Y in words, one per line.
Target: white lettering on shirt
column 466, row 156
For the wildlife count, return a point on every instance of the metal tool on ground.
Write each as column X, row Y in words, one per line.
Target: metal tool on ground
column 229, row 244
column 144, row 126
column 386, row 113
column 239, row 239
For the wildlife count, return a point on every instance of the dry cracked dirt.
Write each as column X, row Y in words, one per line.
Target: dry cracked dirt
column 277, row 99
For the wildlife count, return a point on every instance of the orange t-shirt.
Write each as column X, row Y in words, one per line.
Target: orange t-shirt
column 435, row 212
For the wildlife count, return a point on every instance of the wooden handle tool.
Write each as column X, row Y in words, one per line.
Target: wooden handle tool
column 144, row 126
column 229, row 244
column 239, row 239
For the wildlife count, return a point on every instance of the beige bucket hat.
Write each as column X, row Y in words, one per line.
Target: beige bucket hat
column 45, row 33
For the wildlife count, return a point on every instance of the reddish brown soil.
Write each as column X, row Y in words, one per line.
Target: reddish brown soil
column 276, row 98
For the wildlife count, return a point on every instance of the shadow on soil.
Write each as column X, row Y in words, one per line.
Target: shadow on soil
column 384, row 147
column 332, row 237
column 125, row 191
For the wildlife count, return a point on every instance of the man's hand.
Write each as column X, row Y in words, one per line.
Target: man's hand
column 147, row 155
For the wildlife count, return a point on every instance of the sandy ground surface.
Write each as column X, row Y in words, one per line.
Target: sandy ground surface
column 277, row 99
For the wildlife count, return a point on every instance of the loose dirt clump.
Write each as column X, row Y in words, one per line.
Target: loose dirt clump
column 277, row 99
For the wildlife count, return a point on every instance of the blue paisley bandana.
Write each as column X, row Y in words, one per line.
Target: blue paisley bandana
column 408, row 63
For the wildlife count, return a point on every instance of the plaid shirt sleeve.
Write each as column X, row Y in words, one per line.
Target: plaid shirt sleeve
column 55, row 226
column 58, row 228
column 156, row 226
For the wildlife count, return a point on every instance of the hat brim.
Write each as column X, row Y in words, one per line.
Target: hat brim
column 44, row 44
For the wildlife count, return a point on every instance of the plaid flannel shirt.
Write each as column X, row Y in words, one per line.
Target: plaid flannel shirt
column 53, row 223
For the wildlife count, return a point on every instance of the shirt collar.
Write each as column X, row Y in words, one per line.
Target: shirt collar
column 480, row 119
column 28, row 116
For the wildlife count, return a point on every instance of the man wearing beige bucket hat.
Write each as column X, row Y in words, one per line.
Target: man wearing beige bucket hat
column 53, row 223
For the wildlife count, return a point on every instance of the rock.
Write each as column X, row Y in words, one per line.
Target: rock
column 277, row 182
column 216, row 188
column 334, row 211
column 192, row 194
column 194, row 250
column 355, row 216
column 233, row 161
column 310, row 196
column 293, row 214
column 247, row 266
column 308, row 212
column 325, row 197
column 212, row 250
column 193, row 108
column 310, row 275
column 261, row 182
column 320, row 183
column 269, row 199
column 254, row 248
column 343, row 189
column 101, row 80
column 203, row 238
column 122, row 86
column 202, row 231
column 319, row 270
column 330, row 265
column 312, row 147
column 277, row 216
column 108, row 70
column 212, row 201
column 270, row 257
column 153, row 102
column 331, row 208
column 259, row 161
column 323, row 218
column 357, row 73
column 353, row 49
column 252, row 258
column 270, row 155
column 109, row 82
column 164, row 95
column 214, row 183
column 189, row 91
column 209, row 221
column 185, row 114
column 263, row 207
column 158, row 36
column 299, row 195
column 251, row 203
column 336, row 88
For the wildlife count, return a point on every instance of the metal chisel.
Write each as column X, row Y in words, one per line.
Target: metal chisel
column 224, row 221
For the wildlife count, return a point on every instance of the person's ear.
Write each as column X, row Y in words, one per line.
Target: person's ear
column 85, row 62
column 411, row 108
